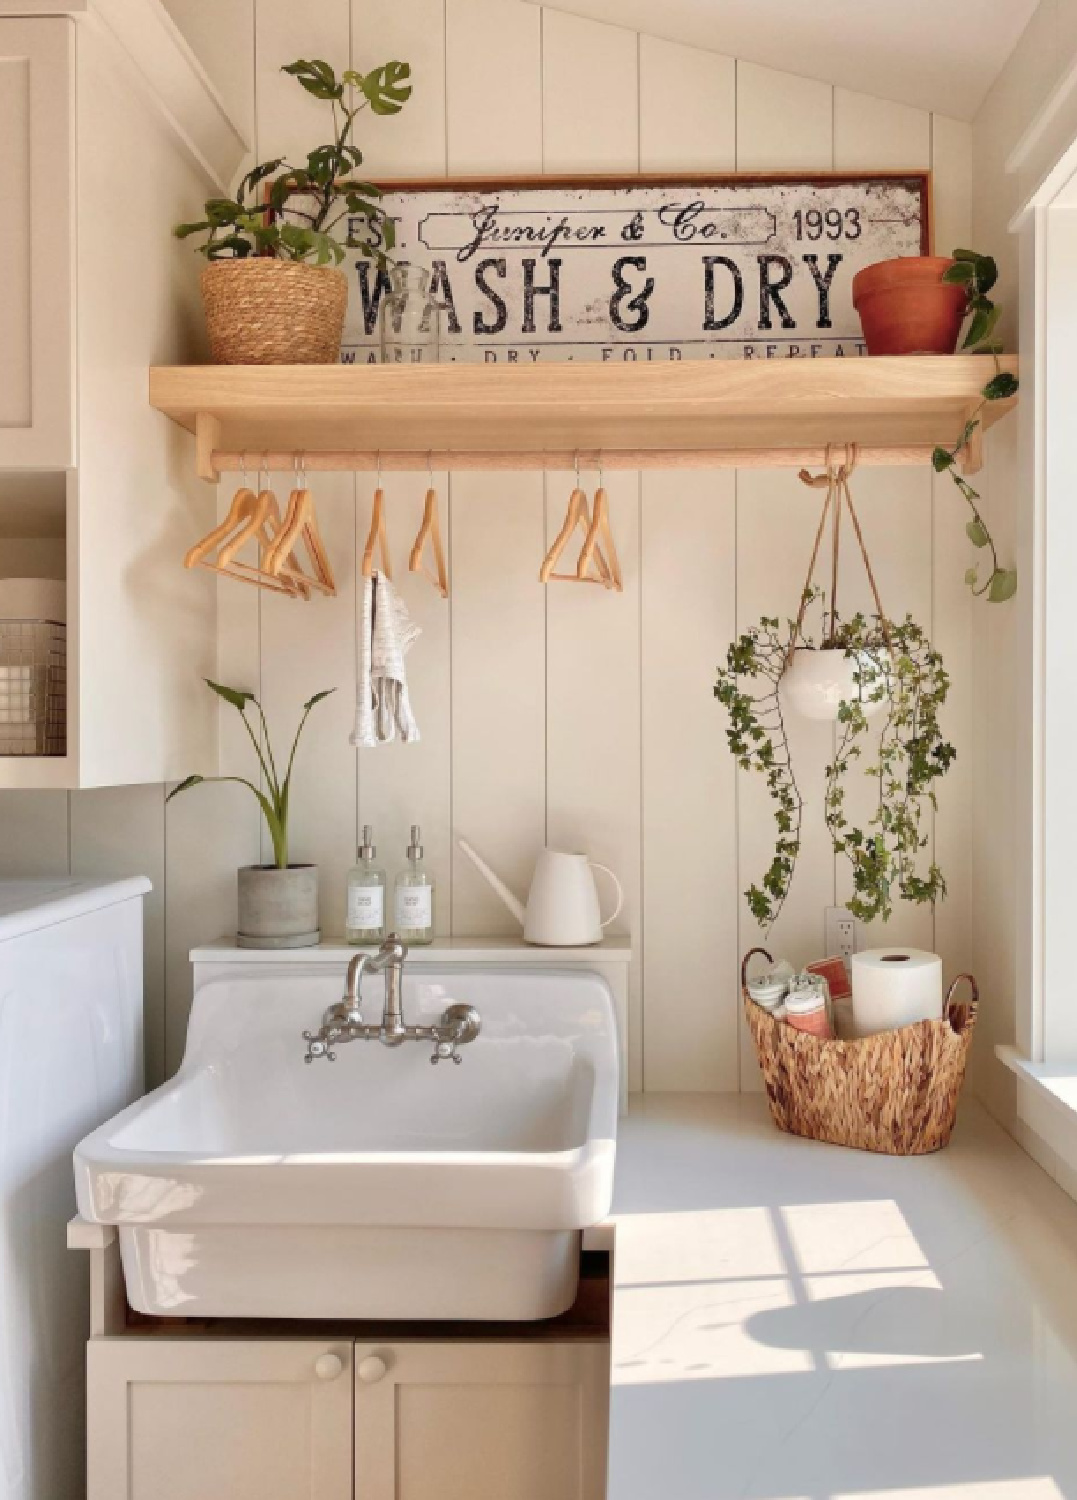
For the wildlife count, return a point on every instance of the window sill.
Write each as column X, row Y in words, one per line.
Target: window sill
column 1056, row 1083
column 1046, row 1124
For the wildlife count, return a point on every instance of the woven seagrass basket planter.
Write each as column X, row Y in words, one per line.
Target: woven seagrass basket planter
column 896, row 1092
column 261, row 311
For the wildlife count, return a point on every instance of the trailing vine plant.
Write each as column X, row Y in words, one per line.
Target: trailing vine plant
column 758, row 742
column 978, row 274
column 909, row 758
column 895, row 662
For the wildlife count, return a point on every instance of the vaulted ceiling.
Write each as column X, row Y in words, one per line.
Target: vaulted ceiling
column 936, row 54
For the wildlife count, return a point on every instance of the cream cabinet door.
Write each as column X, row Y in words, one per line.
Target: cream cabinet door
column 209, row 1419
column 36, row 243
column 464, row 1421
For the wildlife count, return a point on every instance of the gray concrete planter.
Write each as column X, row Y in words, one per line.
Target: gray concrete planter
column 278, row 908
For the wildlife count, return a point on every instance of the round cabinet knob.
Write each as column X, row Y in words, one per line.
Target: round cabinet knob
column 328, row 1366
column 372, row 1369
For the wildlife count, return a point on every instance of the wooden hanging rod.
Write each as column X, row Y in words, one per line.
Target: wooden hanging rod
column 222, row 461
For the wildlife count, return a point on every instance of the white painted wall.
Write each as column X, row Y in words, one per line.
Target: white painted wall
column 561, row 713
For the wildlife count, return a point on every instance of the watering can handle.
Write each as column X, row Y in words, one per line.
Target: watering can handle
column 616, row 912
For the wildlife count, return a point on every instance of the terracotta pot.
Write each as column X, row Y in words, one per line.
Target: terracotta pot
column 261, row 311
column 816, row 683
column 905, row 306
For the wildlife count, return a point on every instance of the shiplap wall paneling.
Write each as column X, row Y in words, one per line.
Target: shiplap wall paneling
column 404, row 784
column 688, row 108
column 590, row 81
column 593, row 720
column 951, row 167
column 590, row 95
column 498, row 520
column 955, row 612
column 877, row 135
column 412, row 143
column 783, row 123
column 494, row 107
column 498, row 690
column 690, row 895
column 117, row 831
column 688, row 120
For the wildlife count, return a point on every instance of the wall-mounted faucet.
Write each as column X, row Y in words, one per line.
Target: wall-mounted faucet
column 344, row 1022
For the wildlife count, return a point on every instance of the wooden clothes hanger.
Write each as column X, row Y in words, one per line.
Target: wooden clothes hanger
column 300, row 525
column 249, row 516
column 431, row 528
column 595, row 536
column 600, row 546
column 377, row 538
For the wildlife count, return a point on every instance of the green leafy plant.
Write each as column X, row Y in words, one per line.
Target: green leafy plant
column 978, row 275
column 295, row 212
column 896, row 663
column 274, row 800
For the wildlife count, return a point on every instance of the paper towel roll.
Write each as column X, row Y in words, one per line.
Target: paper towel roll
column 895, row 987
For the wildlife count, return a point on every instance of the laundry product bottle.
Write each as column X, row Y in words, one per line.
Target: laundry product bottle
column 413, row 896
column 365, row 921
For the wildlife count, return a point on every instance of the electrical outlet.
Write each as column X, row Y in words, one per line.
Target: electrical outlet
column 841, row 934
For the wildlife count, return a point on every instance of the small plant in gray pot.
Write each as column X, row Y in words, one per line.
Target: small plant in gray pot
column 278, row 903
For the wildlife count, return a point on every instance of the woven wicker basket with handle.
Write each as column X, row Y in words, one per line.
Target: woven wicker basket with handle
column 262, row 311
column 895, row 1092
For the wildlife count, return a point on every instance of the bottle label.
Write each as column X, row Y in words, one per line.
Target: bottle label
column 414, row 906
column 366, row 908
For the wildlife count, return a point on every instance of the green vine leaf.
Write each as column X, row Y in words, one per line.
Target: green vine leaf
column 1003, row 585
column 976, row 532
column 1001, row 387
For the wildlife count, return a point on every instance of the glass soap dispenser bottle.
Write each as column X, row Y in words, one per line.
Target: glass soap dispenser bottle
column 413, row 905
column 365, row 922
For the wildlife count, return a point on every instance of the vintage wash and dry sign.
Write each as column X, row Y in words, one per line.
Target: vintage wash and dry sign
column 640, row 268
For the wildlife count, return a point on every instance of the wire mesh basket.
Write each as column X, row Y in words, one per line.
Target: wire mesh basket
column 33, row 687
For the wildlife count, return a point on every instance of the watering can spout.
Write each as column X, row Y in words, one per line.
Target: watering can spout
column 496, row 884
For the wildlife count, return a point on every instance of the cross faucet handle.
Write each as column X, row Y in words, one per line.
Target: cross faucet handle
column 443, row 1051
column 318, row 1045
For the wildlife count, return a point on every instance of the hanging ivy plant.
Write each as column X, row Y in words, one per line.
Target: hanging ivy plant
column 892, row 661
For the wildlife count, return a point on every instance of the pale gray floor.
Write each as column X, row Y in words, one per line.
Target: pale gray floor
column 796, row 1320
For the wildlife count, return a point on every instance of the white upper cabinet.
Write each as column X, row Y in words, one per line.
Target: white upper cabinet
column 110, row 134
column 36, row 243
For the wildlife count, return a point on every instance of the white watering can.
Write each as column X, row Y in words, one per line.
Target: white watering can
column 562, row 905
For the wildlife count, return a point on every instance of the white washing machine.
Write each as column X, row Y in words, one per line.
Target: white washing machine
column 70, row 1056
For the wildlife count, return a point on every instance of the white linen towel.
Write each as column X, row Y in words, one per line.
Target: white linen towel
column 386, row 633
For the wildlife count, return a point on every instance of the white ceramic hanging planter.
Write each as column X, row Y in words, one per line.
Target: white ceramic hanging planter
column 817, row 682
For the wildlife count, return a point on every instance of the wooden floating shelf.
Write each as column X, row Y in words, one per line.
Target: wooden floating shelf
column 706, row 413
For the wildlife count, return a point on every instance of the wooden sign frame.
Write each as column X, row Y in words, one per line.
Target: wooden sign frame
column 484, row 328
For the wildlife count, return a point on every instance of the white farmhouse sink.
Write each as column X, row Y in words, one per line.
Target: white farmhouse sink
column 376, row 1186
